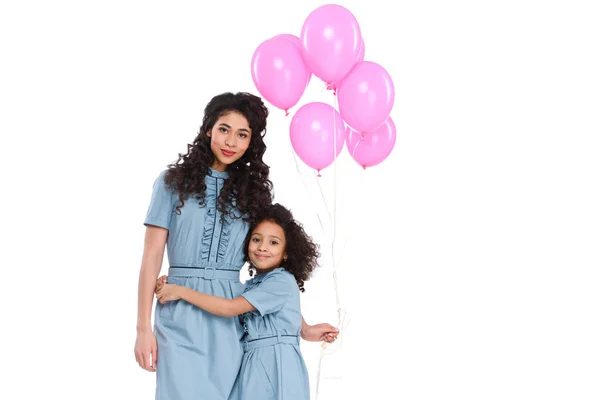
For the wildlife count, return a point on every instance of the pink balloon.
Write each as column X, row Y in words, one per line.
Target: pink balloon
column 313, row 129
column 361, row 52
column 372, row 148
column 330, row 42
column 279, row 72
column 366, row 96
column 360, row 57
column 292, row 38
column 296, row 40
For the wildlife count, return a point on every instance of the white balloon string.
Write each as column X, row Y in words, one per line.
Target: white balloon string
column 342, row 322
column 315, row 207
column 343, row 319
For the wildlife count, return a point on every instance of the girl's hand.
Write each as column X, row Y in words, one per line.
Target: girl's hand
column 168, row 292
column 159, row 283
column 319, row 332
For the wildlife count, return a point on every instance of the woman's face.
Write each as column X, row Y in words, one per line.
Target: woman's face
column 229, row 139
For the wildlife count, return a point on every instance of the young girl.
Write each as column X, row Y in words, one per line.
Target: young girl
column 200, row 210
column 284, row 256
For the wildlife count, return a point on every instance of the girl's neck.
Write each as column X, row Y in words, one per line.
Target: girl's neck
column 264, row 271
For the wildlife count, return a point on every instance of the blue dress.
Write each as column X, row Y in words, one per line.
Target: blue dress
column 199, row 354
column 272, row 367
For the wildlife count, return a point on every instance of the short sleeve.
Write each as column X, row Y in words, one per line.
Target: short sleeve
column 270, row 295
column 161, row 204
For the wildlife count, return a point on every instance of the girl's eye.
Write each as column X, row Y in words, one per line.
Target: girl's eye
column 274, row 243
column 223, row 130
column 243, row 135
column 255, row 239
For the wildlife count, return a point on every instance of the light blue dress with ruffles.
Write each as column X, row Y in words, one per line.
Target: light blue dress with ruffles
column 199, row 354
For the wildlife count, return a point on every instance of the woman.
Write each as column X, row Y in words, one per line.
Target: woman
column 201, row 208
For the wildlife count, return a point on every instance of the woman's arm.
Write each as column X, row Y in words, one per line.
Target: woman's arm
column 154, row 248
column 213, row 304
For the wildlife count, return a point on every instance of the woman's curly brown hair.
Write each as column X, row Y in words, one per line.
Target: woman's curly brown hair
column 248, row 185
column 302, row 252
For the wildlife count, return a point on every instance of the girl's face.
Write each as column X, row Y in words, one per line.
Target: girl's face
column 229, row 139
column 266, row 249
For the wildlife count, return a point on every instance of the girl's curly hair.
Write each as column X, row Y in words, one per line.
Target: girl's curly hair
column 248, row 185
column 302, row 252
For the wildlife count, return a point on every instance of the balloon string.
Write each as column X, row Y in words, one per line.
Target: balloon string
column 341, row 313
column 324, row 202
column 343, row 320
column 309, row 191
column 333, row 241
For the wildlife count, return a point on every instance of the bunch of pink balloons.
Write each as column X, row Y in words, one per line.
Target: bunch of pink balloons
column 331, row 47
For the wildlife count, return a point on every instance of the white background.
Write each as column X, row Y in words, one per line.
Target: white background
column 470, row 266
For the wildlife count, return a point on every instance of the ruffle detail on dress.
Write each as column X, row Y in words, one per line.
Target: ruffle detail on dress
column 210, row 218
column 224, row 238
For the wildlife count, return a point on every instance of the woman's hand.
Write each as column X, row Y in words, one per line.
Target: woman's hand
column 145, row 350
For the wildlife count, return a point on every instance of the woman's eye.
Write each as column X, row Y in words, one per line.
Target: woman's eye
column 223, row 130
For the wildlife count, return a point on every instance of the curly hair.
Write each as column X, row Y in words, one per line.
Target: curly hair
column 248, row 186
column 302, row 252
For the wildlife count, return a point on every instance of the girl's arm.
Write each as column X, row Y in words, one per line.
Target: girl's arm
column 319, row 332
column 231, row 308
column 213, row 304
